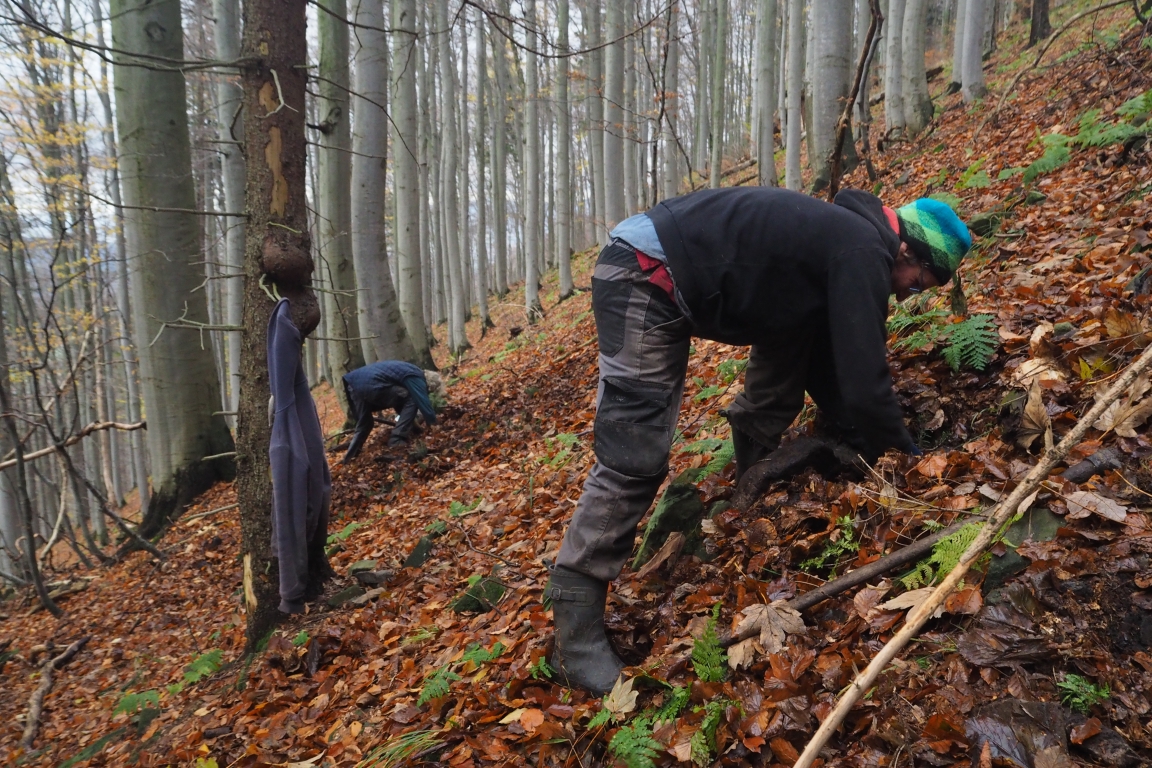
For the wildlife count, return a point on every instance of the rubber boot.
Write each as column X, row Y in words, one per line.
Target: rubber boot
column 583, row 657
column 747, row 450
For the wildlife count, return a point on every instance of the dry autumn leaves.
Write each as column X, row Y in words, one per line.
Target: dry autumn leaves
column 436, row 653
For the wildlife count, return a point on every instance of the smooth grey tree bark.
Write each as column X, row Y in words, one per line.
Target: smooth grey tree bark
column 406, row 179
column 766, row 92
column 832, row 61
column 958, row 45
column 614, row 117
column 384, row 336
column 564, row 158
column 178, row 375
column 481, row 174
column 500, row 161
column 704, row 22
column 335, row 196
column 718, row 71
column 972, row 66
column 532, row 170
column 914, row 85
column 671, row 127
column 464, row 169
column 796, row 37
column 128, row 354
column 894, row 69
column 449, row 199
column 229, row 99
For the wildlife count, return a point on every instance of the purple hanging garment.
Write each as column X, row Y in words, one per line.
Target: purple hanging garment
column 301, row 481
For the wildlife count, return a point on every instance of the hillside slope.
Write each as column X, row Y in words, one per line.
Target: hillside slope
column 493, row 485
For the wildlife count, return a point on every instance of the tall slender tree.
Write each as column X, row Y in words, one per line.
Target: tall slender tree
column 179, row 377
column 564, row 158
column 500, row 158
column 766, row 92
column 614, row 115
column 914, row 85
column 335, row 195
column 532, row 181
column 894, row 68
column 381, row 324
column 796, row 38
column 671, row 95
column 718, row 70
column 972, row 64
column 449, row 199
column 229, row 98
column 406, row 172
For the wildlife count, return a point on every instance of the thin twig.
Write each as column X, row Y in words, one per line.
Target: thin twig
column 36, row 703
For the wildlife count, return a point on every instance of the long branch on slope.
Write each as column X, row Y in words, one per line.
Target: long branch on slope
column 36, row 703
column 1001, row 514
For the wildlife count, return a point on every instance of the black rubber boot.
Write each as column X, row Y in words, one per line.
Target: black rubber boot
column 583, row 657
column 748, row 451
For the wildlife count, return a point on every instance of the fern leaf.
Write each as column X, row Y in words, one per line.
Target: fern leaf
column 634, row 746
column 972, row 343
column 436, row 685
column 203, row 665
column 704, row 740
column 708, row 659
column 1055, row 155
column 600, row 718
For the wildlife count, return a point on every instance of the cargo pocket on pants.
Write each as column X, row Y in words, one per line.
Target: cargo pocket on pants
column 631, row 434
column 610, row 308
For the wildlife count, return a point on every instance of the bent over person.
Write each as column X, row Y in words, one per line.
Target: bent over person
column 388, row 384
column 805, row 283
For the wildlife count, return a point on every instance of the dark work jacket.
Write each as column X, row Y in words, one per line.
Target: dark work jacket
column 750, row 263
column 301, row 482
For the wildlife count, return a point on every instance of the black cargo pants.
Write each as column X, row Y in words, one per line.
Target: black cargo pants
column 644, row 341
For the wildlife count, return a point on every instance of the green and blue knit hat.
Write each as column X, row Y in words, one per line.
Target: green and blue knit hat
column 935, row 234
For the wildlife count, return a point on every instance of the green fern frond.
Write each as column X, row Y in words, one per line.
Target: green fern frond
column 1137, row 107
column 678, row 699
column 945, row 555
column 708, row 658
column 478, row 655
column 436, row 685
column 600, row 718
column 634, row 746
column 730, row 369
column 971, row 343
column 203, row 665
column 131, row 703
column 1055, row 155
column 706, row 445
column 704, row 740
column 720, row 459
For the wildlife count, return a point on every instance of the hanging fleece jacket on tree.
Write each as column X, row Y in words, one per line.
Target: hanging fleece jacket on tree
column 301, row 481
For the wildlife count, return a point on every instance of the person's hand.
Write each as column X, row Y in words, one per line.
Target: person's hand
column 915, row 450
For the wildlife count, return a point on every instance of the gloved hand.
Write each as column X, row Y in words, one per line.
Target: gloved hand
column 915, row 450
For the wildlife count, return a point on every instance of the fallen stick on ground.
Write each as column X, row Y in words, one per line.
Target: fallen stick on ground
column 36, row 703
column 1003, row 512
column 909, row 554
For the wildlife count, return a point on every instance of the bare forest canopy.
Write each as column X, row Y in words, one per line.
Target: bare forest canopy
column 430, row 180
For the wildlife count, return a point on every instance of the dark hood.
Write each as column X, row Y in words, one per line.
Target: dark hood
column 869, row 207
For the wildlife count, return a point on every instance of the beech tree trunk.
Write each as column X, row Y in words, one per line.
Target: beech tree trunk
column 614, row 118
column 500, row 161
column 563, row 160
column 229, row 98
column 671, row 138
column 972, row 68
column 380, row 321
column 481, row 168
column 914, row 86
column 766, row 92
column 718, row 71
column 407, row 231
column 958, row 45
column 794, row 94
column 832, row 20
column 894, row 69
column 335, row 197
column 449, row 199
column 532, row 172
column 178, row 375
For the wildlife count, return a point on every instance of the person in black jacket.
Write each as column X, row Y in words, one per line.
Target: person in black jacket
column 805, row 283
column 393, row 384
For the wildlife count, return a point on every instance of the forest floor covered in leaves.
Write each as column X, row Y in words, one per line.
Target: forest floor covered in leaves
column 1044, row 657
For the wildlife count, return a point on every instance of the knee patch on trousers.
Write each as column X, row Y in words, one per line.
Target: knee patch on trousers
column 632, row 429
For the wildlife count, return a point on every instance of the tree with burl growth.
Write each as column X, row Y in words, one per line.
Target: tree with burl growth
column 277, row 260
